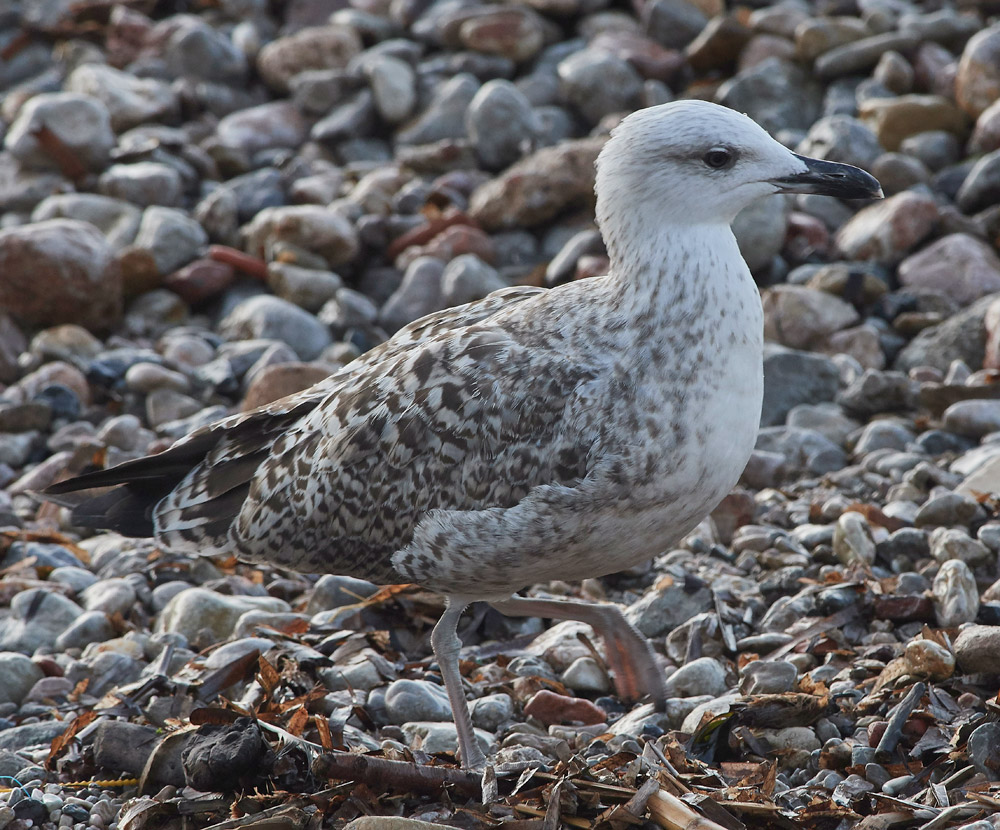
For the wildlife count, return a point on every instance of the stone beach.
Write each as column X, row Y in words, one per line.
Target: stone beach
column 203, row 210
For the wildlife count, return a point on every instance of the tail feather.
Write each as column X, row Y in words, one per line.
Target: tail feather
column 206, row 475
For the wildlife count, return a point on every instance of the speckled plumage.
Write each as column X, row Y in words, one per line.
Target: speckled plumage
column 529, row 436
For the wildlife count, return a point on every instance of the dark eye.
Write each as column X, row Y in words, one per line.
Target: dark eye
column 719, row 157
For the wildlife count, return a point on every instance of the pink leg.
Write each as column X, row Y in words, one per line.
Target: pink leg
column 446, row 645
column 630, row 655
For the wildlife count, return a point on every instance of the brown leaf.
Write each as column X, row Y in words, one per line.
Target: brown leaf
column 323, row 730
column 209, row 714
column 297, row 722
column 61, row 742
column 267, row 676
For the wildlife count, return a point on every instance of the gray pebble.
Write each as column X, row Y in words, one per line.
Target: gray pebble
column 416, row 700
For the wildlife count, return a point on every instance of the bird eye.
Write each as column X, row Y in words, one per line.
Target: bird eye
column 718, row 158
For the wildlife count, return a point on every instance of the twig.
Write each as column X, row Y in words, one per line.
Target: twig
column 673, row 814
column 60, row 152
column 254, row 266
column 945, row 817
column 894, row 729
column 551, row 821
column 397, row 776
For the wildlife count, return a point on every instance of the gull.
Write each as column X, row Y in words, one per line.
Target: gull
column 529, row 436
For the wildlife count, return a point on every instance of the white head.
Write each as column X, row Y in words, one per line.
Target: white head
column 693, row 162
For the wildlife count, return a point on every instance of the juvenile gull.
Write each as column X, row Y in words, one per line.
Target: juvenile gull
column 529, row 436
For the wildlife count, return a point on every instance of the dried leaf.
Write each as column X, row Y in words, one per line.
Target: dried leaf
column 61, row 742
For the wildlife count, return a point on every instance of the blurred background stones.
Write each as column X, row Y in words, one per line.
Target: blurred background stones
column 205, row 209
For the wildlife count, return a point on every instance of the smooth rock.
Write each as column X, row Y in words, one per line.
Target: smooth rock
column 770, row 677
column 490, row 711
column 539, row 187
column 704, row 676
column 551, row 708
column 416, row 700
column 852, row 540
column 264, row 127
column 17, row 675
column 925, row 658
column 312, row 228
column 59, row 271
column 197, row 610
column 129, row 100
column 115, row 218
column 319, row 47
column 977, row 83
column 80, row 123
column 977, row 649
column 895, row 119
column 776, row 93
column 501, row 124
column 948, row 543
column 143, row 183
column 956, row 597
column 662, row 610
column 308, row 288
column 886, row 231
column 979, row 188
column 801, row 317
column 272, row 318
column 598, row 83
column 793, row 378
column 37, row 618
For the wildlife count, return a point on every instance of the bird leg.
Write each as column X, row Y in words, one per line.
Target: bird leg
column 630, row 655
column 446, row 645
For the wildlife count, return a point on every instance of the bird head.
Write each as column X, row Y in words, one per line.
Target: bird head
column 691, row 162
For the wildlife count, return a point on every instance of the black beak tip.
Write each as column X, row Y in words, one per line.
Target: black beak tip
column 828, row 178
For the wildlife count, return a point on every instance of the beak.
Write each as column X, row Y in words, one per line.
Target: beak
column 829, row 178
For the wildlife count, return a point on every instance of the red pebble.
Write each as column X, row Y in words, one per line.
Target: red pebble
column 551, row 708
column 876, row 730
column 200, row 280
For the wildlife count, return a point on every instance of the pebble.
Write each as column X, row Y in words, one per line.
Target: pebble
column 433, row 737
column 926, row 658
column 143, row 183
column 801, row 317
column 416, row 700
column 703, row 676
column 585, row 674
column 660, row 611
column 551, row 708
column 17, row 676
column 80, row 123
column 490, row 711
column 894, row 119
column 312, row 228
column 977, row 82
column 501, row 124
column 956, row 597
column 308, row 288
column 984, row 750
column 59, row 271
column 768, row 677
column 195, row 611
column 37, row 618
column 852, row 540
column 129, row 100
column 270, row 317
column 886, row 231
column 973, row 269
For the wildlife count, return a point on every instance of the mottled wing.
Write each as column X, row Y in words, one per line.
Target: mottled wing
column 190, row 494
column 465, row 420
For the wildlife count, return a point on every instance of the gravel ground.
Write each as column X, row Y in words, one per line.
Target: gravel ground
column 205, row 206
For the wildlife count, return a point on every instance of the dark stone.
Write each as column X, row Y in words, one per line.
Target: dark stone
column 225, row 757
